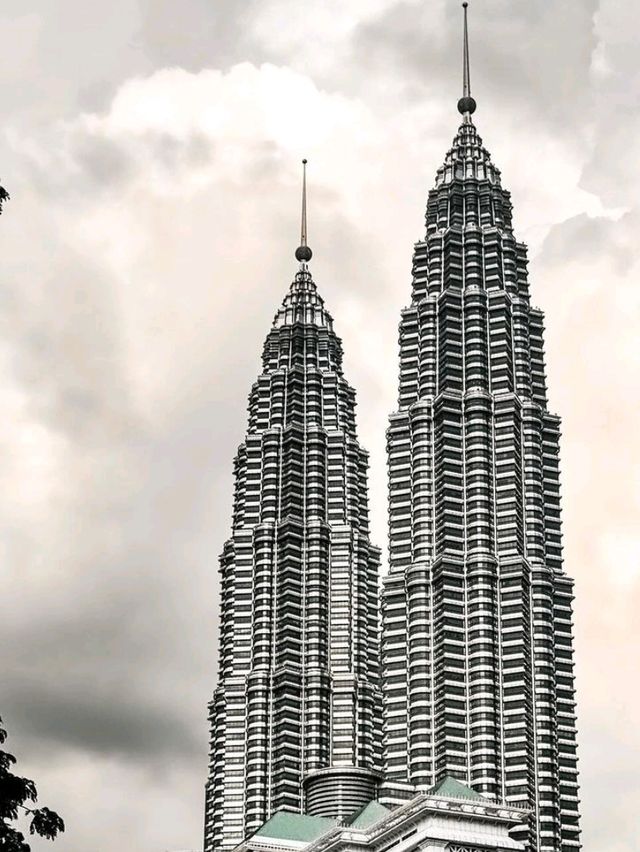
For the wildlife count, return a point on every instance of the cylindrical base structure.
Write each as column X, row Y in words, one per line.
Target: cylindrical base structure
column 339, row 791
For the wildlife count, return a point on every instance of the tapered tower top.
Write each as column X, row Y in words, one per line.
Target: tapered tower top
column 466, row 104
column 303, row 252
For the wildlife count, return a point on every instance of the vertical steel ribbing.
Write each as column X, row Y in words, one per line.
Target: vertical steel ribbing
column 489, row 606
column 294, row 692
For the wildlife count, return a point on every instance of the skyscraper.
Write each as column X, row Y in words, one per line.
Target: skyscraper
column 298, row 680
column 477, row 609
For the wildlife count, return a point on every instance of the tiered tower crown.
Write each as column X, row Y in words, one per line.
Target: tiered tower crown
column 303, row 304
column 468, row 159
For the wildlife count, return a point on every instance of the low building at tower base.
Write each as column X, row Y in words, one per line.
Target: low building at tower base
column 451, row 817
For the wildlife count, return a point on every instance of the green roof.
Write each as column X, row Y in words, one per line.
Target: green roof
column 367, row 815
column 453, row 789
column 286, row 825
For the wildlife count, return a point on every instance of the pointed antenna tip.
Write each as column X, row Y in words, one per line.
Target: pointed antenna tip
column 466, row 104
column 303, row 252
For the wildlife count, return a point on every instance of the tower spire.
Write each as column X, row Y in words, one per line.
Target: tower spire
column 303, row 252
column 466, row 104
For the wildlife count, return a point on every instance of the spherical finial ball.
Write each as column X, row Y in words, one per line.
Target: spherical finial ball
column 304, row 254
column 466, row 105
column 464, row 5
column 304, row 162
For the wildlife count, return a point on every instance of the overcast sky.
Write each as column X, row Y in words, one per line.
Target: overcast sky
column 152, row 149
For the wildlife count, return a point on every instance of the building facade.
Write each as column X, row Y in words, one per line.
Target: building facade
column 477, row 609
column 298, row 682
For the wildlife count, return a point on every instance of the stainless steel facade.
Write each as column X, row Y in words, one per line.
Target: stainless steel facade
column 477, row 609
column 298, row 681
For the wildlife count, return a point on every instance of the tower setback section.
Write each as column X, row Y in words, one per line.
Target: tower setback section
column 477, row 624
column 298, row 687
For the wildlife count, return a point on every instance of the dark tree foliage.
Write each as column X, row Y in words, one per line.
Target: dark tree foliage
column 14, row 792
column 4, row 196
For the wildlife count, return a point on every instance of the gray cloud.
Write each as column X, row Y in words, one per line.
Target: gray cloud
column 110, row 724
column 591, row 239
column 204, row 34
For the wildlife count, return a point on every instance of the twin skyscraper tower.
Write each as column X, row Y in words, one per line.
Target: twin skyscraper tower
column 347, row 705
